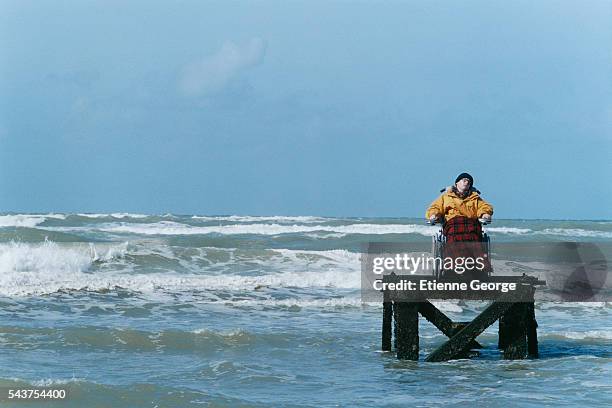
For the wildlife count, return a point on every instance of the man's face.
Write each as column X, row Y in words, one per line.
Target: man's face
column 463, row 184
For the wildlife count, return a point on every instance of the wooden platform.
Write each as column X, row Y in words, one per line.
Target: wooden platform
column 514, row 310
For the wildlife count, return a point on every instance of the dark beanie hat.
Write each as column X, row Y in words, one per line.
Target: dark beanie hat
column 465, row 175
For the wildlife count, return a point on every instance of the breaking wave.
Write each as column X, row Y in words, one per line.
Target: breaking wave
column 26, row 220
column 174, row 228
column 36, row 269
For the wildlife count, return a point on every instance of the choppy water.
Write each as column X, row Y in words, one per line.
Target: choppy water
column 129, row 310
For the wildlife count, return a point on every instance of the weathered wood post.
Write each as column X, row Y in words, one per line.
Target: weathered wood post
column 518, row 329
column 515, row 332
column 407, row 330
column 387, row 332
column 532, row 331
column 502, row 333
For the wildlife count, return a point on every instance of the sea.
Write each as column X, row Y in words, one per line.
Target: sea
column 139, row 310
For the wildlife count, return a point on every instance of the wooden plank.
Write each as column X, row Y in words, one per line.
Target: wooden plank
column 441, row 321
column 467, row 353
column 459, row 342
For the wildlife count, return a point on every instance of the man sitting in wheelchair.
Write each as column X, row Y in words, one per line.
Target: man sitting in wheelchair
column 461, row 211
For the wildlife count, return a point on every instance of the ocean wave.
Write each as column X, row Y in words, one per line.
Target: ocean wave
column 509, row 230
column 322, row 235
column 182, row 283
column 312, row 227
column 44, row 268
column 575, row 232
column 174, row 228
column 36, row 269
column 312, row 231
column 27, row 220
column 20, row 383
column 583, row 335
column 204, row 339
column 50, row 382
column 296, row 304
column 563, row 232
column 277, row 218
column 568, row 308
column 28, row 284
column 340, row 256
column 47, row 256
column 113, row 215
column 111, row 253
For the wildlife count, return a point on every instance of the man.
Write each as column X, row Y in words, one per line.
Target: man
column 460, row 200
column 459, row 209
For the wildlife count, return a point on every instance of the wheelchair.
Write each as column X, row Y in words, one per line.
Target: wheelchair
column 438, row 243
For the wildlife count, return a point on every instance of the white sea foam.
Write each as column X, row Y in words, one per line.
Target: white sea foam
column 585, row 335
column 323, row 231
column 338, row 256
column 174, row 228
column 113, row 215
column 49, row 382
column 223, row 333
column 27, row 220
column 46, row 382
column 304, row 303
column 323, row 235
column 564, row 232
column 568, row 306
column 23, row 266
column 575, row 232
column 35, row 269
column 112, row 252
column 509, row 230
column 276, row 218
column 45, row 283
column 44, row 268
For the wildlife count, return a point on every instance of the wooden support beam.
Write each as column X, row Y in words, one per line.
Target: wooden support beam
column 406, row 330
column 515, row 342
column 386, row 326
column 532, row 332
column 460, row 341
column 502, row 338
column 517, row 328
column 467, row 353
column 441, row 321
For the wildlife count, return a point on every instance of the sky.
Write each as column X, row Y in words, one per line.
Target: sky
column 333, row 108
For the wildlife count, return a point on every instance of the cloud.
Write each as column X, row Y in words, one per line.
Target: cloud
column 213, row 73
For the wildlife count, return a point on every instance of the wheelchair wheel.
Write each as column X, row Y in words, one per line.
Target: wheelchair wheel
column 437, row 252
column 486, row 243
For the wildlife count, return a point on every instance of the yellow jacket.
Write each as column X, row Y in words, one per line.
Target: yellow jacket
column 450, row 205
